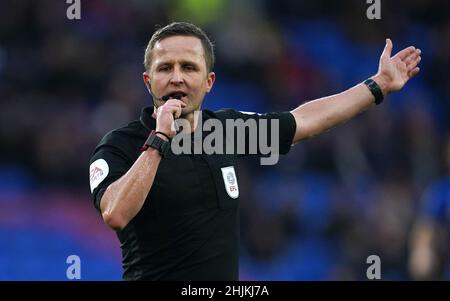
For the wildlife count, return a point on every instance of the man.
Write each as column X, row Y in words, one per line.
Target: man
column 177, row 215
column 429, row 249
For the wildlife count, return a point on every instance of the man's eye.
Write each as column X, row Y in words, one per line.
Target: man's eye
column 164, row 68
column 189, row 67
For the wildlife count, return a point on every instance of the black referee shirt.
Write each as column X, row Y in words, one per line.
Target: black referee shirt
column 188, row 227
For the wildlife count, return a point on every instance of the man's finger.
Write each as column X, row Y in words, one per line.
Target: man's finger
column 410, row 58
column 175, row 101
column 387, row 49
column 405, row 52
column 174, row 109
column 413, row 72
column 174, row 104
column 414, row 63
column 156, row 112
column 178, row 112
column 413, row 59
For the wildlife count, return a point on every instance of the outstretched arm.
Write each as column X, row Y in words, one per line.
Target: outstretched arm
column 319, row 115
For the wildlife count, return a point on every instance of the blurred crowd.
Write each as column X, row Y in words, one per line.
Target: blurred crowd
column 331, row 202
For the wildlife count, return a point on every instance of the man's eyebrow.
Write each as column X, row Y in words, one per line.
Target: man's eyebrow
column 162, row 63
column 171, row 62
column 188, row 62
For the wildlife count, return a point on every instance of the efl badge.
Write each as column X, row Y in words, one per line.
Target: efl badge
column 230, row 180
column 98, row 171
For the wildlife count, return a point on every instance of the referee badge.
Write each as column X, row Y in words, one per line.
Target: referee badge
column 230, row 181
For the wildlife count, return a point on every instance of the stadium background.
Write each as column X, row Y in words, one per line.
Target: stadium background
column 317, row 215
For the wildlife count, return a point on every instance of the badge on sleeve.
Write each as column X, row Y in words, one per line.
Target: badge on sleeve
column 98, row 171
column 230, row 181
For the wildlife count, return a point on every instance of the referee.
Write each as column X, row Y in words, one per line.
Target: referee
column 176, row 215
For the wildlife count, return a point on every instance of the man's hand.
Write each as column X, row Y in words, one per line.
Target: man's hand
column 317, row 116
column 394, row 72
column 166, row 114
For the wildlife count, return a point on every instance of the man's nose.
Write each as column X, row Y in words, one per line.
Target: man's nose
column 177, row 77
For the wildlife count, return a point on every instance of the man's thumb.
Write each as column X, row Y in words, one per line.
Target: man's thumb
column 387, row 49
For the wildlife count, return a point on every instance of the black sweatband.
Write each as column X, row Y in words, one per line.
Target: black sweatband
column 375, row 90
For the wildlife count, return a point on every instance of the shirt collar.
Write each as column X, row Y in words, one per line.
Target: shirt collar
column 147, row 119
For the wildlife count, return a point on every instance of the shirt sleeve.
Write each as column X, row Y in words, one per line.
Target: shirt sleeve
column 262, row 133
column 108, row 163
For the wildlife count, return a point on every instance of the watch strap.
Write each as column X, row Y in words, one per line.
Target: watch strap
column 155, row 142
column 375, row 90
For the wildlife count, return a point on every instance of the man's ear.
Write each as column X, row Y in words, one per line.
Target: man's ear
column 210, row 81
column 146, row 79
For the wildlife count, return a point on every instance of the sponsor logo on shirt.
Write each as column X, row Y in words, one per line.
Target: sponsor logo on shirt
column 98, row 171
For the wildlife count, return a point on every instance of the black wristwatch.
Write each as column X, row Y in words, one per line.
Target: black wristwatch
column 375, row 90
column 157, row 143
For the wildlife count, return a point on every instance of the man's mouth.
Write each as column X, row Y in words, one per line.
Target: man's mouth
column 177, row 95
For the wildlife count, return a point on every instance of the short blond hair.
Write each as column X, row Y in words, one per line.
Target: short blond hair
column 181, row 29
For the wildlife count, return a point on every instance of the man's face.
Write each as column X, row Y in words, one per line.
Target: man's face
column 178, row 66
